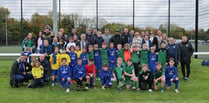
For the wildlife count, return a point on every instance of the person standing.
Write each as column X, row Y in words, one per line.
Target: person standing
column 153, row 39
column 116, row 39
column 106, row 36
column 29, row 42
column 89, row 37
column 186, row 51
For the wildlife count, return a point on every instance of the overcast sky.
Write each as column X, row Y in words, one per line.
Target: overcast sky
column 147, row 12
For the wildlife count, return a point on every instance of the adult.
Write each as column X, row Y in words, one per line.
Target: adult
column 20, row 72
column 142, row 34
column 125, row 37
column 153, row 39
column 95, row 32
column 39, row 41
column 159, row 37
column 60, row 36
column 76, row 39
column 50, row 37
column 98, row 39
column 131, row 36
column 116, row 39
column 83, row 43
column 186, row 50
column 89, row 37
column 55, row 42
column 137, row 41
column 173, row 51
column 46, row 49
column 63, row 33
column 106, row 36
column 164, row 38
column 147, row 41
column 29, row 42
column 46, row 67
column 73, row 33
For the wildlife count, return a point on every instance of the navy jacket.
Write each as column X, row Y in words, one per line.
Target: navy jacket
column 173, row 52
column 46, row 49
column 79, row 71
column 171, row 73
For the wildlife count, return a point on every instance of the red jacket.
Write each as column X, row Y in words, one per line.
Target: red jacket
column 90, row 69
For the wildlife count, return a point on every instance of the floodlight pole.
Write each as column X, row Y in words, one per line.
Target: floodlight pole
column 55, row 17
column 59, row 12
column 21, row 20
column 97, row 23
column 133, row 14
column 196, row 27
column 169, row 16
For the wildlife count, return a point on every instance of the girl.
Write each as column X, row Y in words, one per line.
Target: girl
column 70, row 43
column 127, row 52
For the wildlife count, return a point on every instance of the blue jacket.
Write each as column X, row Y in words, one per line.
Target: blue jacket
column 97, row 56
column 64, row 72
column 83, row 56
column 152, row 59
column 171, row 72
column 105, row 75
column 79, row 71
column 173, row 51
column 112, row 55
column 73, row 58
column 44, row 49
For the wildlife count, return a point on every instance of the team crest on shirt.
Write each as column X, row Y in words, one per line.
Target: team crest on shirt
column 174, row 46
column 187, row 45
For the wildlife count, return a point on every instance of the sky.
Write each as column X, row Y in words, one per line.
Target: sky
column 147, row 12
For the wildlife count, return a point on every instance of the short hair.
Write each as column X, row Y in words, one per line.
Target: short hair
column 130, row 60
column 105, row 65
column 152, row 48
column 79, row 59
column 171, row 59
column 63, row 59
column 119, row 58
column 162, row 42
column 158, row 63
column 144, row 65
column 91, row 60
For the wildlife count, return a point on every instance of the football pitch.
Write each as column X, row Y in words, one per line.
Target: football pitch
column 193, row 91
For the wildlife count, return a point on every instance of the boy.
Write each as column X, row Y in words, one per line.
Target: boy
column 159, row 76
column 79, row 72
column 90, row 54
column 171, row 75
column 144, row 55
column 145, row 78
column 97, row 59
column 90, row 74
column 83, row 56
column 162, row 55
column 37, row 72
column 130, row 75
column 104, row 56
column 152, row 59
column 118, row 73
column 64, row 55
column 78, row 51
column 112, row 56
column 105, row 77
column 55, row 63
column 120, row 51
column 135, row 58
column 73, row 56
column 64, row 75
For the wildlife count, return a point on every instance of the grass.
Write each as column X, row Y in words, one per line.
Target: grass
column 194, row 91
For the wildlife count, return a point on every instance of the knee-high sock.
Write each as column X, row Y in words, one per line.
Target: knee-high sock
column 176, row 84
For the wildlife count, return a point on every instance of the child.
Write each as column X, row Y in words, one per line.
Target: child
column 145, row 78
column 55, row 63
column 64, row 55
column 104, row 56
column 78, row 51
column 120, row 51
column 70, row 43
column 64, row 75
column 112, row 56
column 90, row 54
column 61, row 45
column 37, row 72
column 162, row 55
column 130, row 74
column 144, row 55
column 135, row 58
column 171, row 75
column 105, row 77
column 90, row 74
column 159, row 76
column 28, row 53
column 99, row 39
column 152, row 59
column 118, row 73
column 79, row 72
column 73, row 56
column 97, row 59
column 127, row 52
column 83, row 56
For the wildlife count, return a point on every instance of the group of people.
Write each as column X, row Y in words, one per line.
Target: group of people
column 128, row 58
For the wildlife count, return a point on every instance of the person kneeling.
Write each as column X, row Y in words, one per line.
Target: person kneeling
column 64, row 75
column 79, row 73
column 159, row 76
column 145, row 78
column 37, row 72
column 105, row 77
column 90, row 74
